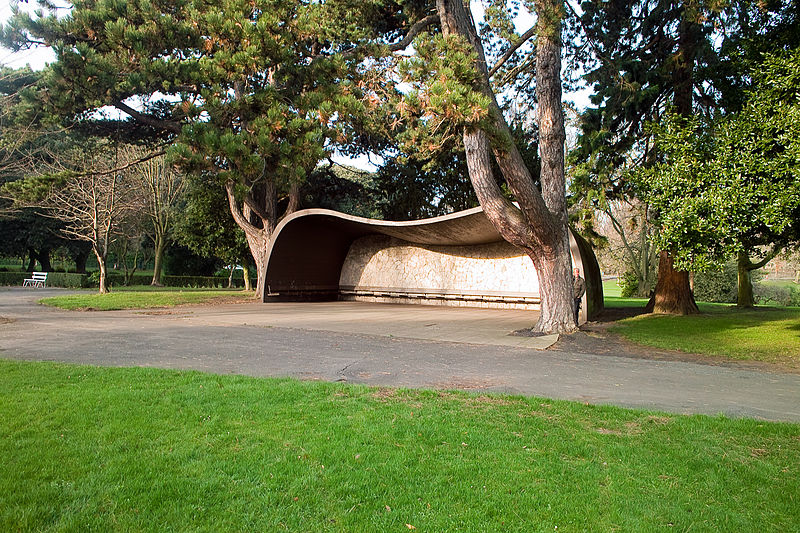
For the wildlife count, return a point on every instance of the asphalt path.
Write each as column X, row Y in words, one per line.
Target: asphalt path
column 244, row 339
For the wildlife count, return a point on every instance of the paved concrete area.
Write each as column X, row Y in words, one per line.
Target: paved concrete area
column 404, row 346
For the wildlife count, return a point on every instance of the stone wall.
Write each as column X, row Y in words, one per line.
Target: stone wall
column 489, row 275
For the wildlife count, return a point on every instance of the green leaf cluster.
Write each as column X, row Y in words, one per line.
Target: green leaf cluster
column 443, row 98
column 730, row 184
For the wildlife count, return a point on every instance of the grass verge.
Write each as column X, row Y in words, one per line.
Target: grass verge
column 97, row 449
column 142, row 297
column 768, row 334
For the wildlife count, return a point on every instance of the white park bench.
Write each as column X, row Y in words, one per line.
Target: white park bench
column 37, row 279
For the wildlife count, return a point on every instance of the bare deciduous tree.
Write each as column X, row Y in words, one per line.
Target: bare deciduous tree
column 162, row 187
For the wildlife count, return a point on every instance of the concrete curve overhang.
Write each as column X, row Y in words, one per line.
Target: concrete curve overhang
column 309, row 247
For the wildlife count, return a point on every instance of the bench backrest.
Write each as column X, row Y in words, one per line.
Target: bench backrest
column 39, row 276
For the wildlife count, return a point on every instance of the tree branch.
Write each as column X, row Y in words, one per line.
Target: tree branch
column 240, row 219
column 127, row 165
column 510, row 52
column 413, row 31
column 150, row 120
column 770, row 255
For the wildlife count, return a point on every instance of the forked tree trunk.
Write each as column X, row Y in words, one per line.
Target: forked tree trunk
column 258, row 242
column 672, row 295
column 744, row 271
column 257, row 238
column 101, row 264
column 539, row 225
column 744, row 282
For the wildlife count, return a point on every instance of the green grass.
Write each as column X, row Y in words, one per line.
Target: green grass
column 142, row 297
column 763, row 334
column 105, row 449
column 768, row 334
column 611, row 288
column 779, row 283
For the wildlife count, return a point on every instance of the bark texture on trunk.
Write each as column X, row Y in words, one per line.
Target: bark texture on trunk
column 257, row 237
column 744, row 268
column 101, row 264
column 672, row 295
column 539, row 225
column 158, row 260
column 744, row 282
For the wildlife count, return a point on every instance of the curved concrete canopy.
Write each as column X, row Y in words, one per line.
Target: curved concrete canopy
column 309, row 247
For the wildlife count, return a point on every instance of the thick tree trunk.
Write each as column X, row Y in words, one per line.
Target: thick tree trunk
column 31, row 260
column 158, row 260
column 44, row 260
column 258, row 247
column 539, row 224
column 744, row 281
column 672, row 294
column 257, row 238
column 80, row 262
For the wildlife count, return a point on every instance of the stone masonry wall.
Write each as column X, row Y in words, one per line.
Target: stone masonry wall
column 378, row 262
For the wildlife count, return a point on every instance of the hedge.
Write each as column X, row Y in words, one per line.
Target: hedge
column 54, row 279
column 75, row 281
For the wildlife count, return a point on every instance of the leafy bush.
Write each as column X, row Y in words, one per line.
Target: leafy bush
column 76, row 281
column 54, row 279
column 776, row 294
column 717, row 286
column 628, row 284
column 176, row 281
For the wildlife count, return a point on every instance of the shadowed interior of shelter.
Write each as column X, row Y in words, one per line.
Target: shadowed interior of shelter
column 456, row 259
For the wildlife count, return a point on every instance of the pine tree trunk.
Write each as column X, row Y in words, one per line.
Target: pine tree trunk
column 672, row 294
column 539, row 225
column 552, row 287
column 258, row 243
column 158, row 260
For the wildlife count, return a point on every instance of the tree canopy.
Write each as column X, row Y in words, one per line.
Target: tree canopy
column 731, row 184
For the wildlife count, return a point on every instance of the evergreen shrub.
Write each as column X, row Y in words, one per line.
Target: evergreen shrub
column 628, row 284
column 717, row 286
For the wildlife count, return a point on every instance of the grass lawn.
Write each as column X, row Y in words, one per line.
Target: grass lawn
column 99, row 449
column 142, row 297
column 769, row 334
